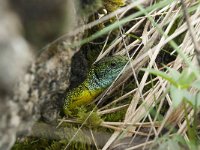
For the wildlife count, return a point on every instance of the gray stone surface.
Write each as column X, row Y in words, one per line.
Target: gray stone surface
column 29, row 87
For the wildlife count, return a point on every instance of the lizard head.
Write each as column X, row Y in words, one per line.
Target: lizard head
column 105, row 71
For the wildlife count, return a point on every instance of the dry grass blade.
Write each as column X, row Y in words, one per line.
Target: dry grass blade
column 151, row 107
column 136, row 113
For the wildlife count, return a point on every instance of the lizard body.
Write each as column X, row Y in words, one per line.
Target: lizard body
column 100, row 76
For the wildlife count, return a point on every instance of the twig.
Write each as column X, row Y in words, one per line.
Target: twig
column 95, row 143
column 143, row 124
column 191, row 31
column 107, row 111
column 125, row 130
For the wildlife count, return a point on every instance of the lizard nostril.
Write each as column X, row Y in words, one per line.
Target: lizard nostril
column 113, row 64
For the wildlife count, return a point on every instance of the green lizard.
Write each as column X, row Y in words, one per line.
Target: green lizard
column 100, row 76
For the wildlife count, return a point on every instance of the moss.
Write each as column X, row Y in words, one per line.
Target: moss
column 62, row 137
column 81, row 141
column 115, row 117
column 30, row 143
column 88, row 7
column 92, row 118
column 112, row 5
column 55, row 146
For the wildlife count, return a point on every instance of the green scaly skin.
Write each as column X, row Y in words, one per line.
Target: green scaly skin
column 100, row 76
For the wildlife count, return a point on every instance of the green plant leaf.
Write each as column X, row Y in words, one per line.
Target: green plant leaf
column 196, row 84
column 174, row 73
column 193, row 99
column 188, row 95
column 162, row 75
column 177, row 95
column 186, row 78
column 134, row 36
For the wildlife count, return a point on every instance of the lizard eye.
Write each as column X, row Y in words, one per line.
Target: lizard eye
column 113, row 64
